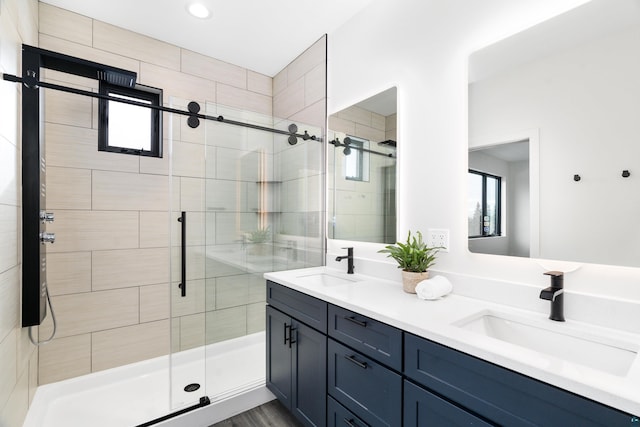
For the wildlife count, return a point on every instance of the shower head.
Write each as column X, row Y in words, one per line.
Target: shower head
column 82, row 67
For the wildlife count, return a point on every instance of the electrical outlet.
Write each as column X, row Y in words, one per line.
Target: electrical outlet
column 438, row 238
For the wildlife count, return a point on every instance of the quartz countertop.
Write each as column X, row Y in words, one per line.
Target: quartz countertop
column 436, row 320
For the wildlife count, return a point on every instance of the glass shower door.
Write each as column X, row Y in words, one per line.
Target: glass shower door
column 250, row 203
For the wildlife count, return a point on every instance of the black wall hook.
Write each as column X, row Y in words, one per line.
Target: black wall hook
column 626, row 173
column 576, row 177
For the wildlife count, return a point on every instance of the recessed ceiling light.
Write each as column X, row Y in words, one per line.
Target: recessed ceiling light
column 198, row 10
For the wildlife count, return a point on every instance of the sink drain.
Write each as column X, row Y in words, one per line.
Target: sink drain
column 192, row 387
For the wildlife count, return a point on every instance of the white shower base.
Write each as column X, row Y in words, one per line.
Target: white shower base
column 137, row 393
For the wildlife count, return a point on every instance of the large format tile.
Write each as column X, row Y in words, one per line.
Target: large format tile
column 65, row 358
column 64, row 24
column 154, row 302
column 8, row 237
column 93, row 311
column 213, row 69
column 9, row 301
column 94, row 230
column 8, row 371
column 68, row 188
column 133, row 45
column 68, row 273
column 9, row 172
column 129, row 267
column 126, row 191
column 121, row 346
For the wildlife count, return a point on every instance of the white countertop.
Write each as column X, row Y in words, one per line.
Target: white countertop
column 385, row 301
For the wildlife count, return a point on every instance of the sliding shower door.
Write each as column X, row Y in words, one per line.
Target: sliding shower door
column 248, row 202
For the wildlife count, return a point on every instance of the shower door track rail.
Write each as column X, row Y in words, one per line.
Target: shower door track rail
column 204, row 401
column 305, row 136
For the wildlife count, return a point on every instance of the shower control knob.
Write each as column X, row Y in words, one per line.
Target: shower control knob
column 46, row 216
column 46, row 237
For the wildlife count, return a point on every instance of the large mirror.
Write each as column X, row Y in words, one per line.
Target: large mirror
column 362, row 170
column 554, row 154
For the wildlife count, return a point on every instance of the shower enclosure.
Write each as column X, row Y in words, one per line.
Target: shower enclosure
column 173, row 311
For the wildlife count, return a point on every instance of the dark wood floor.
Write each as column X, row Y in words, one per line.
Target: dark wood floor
column 271, row 414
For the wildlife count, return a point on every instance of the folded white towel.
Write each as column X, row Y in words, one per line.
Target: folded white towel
column 434, row 288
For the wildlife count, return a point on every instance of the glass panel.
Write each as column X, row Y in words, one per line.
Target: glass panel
column 491, row 219
column 129, row 125
column 253, row 204
column 474, row 204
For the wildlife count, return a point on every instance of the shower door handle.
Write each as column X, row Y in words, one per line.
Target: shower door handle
column 183, row 254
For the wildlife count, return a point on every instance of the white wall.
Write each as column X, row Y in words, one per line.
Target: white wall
column 422, row 47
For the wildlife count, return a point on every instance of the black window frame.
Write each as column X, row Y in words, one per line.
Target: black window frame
column 357, row 149
column 498, row 228
column 143, row 93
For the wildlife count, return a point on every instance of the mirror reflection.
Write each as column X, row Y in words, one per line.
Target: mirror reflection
column 362, row 170
column 565, row 95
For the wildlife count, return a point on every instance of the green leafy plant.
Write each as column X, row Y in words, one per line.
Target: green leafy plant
column 414, row 255
column 260, row 235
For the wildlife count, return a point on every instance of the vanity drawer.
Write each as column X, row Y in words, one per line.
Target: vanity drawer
column 370, row 337
column 498, row 394
column 423, row 408
column 305, row 308
column 366, row 388
column 339, row 416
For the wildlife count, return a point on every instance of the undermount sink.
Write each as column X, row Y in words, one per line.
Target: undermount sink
column 324, row 279
column 575, row 343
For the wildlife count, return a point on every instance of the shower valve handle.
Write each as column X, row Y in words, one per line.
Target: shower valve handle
column 46, row 216
column 46, row 237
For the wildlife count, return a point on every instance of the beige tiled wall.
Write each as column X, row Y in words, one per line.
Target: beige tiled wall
column 358, row 208
column 109, row 268
column 18, row 358
column 299, row 96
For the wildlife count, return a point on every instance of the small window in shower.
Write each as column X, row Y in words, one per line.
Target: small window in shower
column 356, row 160
column 128, row 128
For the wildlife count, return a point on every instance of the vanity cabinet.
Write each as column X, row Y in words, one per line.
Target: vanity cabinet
column 296, row 356
column 335, row 367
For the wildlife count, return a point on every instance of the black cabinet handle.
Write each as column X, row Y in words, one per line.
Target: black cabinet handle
column 287, row 334
column 291, row 339
column 352, row 319
column 349, row 422
column 352, row 359
column 183, row 268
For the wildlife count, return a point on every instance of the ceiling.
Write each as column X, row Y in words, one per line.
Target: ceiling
column 261, row 35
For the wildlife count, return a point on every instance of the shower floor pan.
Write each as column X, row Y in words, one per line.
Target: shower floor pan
column 137, row 393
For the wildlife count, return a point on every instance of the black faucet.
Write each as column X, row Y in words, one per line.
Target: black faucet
column 555, row 294
column 349, row 257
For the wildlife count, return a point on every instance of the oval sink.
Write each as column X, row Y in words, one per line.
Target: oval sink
column 575, row 343
column 324, row 279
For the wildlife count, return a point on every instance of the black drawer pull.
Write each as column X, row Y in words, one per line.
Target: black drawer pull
column 352, row 359
column 352, row 319
column 349, row 422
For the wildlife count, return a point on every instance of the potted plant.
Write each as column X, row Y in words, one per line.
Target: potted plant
column 414, row 257
column 258, row 240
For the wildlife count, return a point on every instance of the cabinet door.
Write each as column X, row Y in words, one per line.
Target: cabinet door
column 309, row 372
column 278, row 355
column 423, row 409
column 368, row 389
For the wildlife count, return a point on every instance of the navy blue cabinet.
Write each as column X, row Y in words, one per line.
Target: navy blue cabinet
column 368, row 389
column 500, row 395
column 296, row 365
